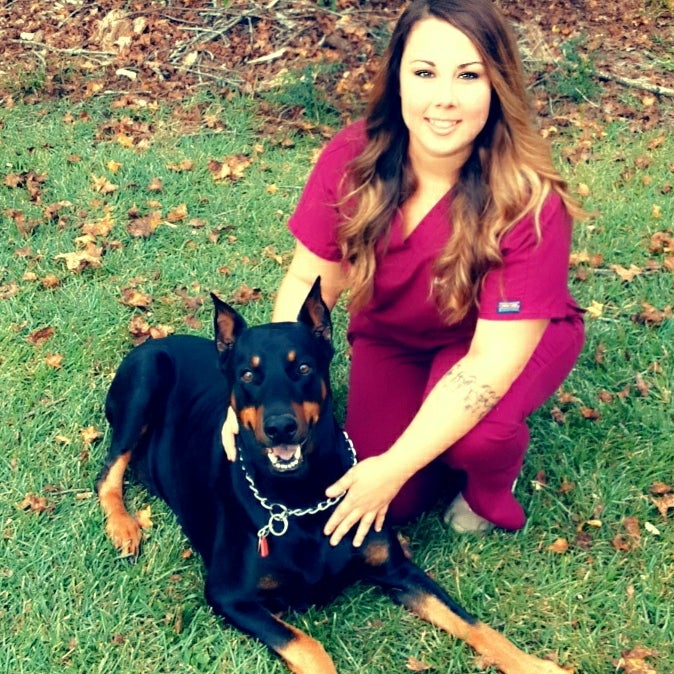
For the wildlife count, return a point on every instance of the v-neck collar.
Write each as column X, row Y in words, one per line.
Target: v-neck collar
column 398, row 239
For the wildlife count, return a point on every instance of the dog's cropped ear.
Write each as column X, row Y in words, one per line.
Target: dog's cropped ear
column 228, row 324
column 315, row 313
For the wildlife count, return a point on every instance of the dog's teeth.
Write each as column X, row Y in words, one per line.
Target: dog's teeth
column 285, row 457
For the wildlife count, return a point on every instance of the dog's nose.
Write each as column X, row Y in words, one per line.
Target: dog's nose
column 280, row 428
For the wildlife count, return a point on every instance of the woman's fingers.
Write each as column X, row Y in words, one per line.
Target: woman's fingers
column 228, row 434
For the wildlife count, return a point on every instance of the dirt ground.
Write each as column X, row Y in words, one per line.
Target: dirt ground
column 588, row 60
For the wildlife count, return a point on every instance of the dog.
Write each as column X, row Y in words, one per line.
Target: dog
column 258, row 522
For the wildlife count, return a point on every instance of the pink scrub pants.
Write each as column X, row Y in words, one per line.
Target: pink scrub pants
column 387, row 385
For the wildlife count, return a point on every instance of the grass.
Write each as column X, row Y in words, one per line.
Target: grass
column 67, row 603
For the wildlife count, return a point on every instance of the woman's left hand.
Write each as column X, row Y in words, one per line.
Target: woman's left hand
column 370, row 487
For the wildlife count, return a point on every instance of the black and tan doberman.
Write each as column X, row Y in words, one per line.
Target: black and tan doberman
column 258, row 522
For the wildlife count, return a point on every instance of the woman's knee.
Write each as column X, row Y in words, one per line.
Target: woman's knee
column 491, row 445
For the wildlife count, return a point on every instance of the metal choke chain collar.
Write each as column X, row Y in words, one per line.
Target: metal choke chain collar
column 279, row 514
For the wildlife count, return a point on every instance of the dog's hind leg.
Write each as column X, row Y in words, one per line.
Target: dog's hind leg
column 494, row 648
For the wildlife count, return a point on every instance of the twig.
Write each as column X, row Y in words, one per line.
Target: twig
column 636, row 84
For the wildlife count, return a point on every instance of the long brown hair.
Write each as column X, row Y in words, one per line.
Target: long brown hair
column 508, row 175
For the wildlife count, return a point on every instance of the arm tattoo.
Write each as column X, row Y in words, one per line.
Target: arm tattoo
column 479, row 399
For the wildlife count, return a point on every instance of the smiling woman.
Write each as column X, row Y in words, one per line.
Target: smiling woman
column 444, row 217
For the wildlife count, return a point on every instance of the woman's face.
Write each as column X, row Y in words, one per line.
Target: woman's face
column 445, row 93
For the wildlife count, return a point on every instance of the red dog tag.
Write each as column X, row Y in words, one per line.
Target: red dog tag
column 262, row 546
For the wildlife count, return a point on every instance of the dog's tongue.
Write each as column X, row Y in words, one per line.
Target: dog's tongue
column 284, row 452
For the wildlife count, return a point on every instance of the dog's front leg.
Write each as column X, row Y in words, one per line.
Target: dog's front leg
column 301, row 653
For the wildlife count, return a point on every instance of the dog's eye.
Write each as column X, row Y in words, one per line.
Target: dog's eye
column 304, row 368
column 247, row 376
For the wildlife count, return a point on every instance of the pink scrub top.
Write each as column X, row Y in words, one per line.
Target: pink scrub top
column 532, row 283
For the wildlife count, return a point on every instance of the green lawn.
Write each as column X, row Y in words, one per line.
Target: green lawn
column 82, row 181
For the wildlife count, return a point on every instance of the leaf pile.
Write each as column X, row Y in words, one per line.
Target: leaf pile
column 168, row 50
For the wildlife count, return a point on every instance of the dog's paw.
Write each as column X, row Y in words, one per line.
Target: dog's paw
column 125, row 533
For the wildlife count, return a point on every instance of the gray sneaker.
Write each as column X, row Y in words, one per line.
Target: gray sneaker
column 463, row 520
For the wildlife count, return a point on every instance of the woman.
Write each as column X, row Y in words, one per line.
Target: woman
column 443, row 215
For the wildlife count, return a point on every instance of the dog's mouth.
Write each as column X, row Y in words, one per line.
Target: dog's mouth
column 285, row 458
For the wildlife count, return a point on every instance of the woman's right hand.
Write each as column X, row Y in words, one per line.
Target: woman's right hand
column 228, row 433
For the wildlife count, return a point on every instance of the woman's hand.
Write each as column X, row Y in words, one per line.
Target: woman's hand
column 228, row 433
column 370, row 487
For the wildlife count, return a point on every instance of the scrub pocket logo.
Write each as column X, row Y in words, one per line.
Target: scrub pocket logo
column 512, row 307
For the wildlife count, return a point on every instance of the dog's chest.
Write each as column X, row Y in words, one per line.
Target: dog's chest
column 300, row 570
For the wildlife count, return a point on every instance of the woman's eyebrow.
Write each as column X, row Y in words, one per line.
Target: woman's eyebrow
column 461, row 65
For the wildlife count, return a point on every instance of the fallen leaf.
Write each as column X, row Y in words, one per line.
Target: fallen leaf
column 185, row 165
column 8, row 290
column 634, row 661
column 245, row 294
column 40, row 336
column 414, row 665
column 560, row 546
column 178, row 213
column 101, row 227
column 144, row 518
column 642, row 385
column 664, row 503
column 232, row 168
column 594, row 309
column 155, row 185
column 652, row 316
column 80, row 260
column 103, row 186
column 627, row 275
column 590, row 413
column 632, row 527
column 144, row 227
column 90, row 434
column 134, row 298
column 566, row 487
column 659, row 488
column 652, row 529
column 51, row 281
column 35, row 503
column 620, row 544
column 558, row 416
column 54, row 360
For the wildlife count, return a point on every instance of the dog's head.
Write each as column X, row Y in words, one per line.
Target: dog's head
column 280, row 382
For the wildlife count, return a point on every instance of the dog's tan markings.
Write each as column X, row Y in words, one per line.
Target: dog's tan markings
column 268, row 582
column 377, row 553
column 494, row 648
column 305, row 655
column 308, row 411
column 255, row 361
column 324, row 390
column 292, row 356
column 248, row 417
column 122, row 529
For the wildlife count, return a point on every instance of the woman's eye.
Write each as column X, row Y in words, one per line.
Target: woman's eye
column 423, row 73
column 304, row 368
column 247, row 376
column 469, row 76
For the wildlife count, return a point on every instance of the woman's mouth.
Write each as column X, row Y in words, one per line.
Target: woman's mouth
column 442, row 125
